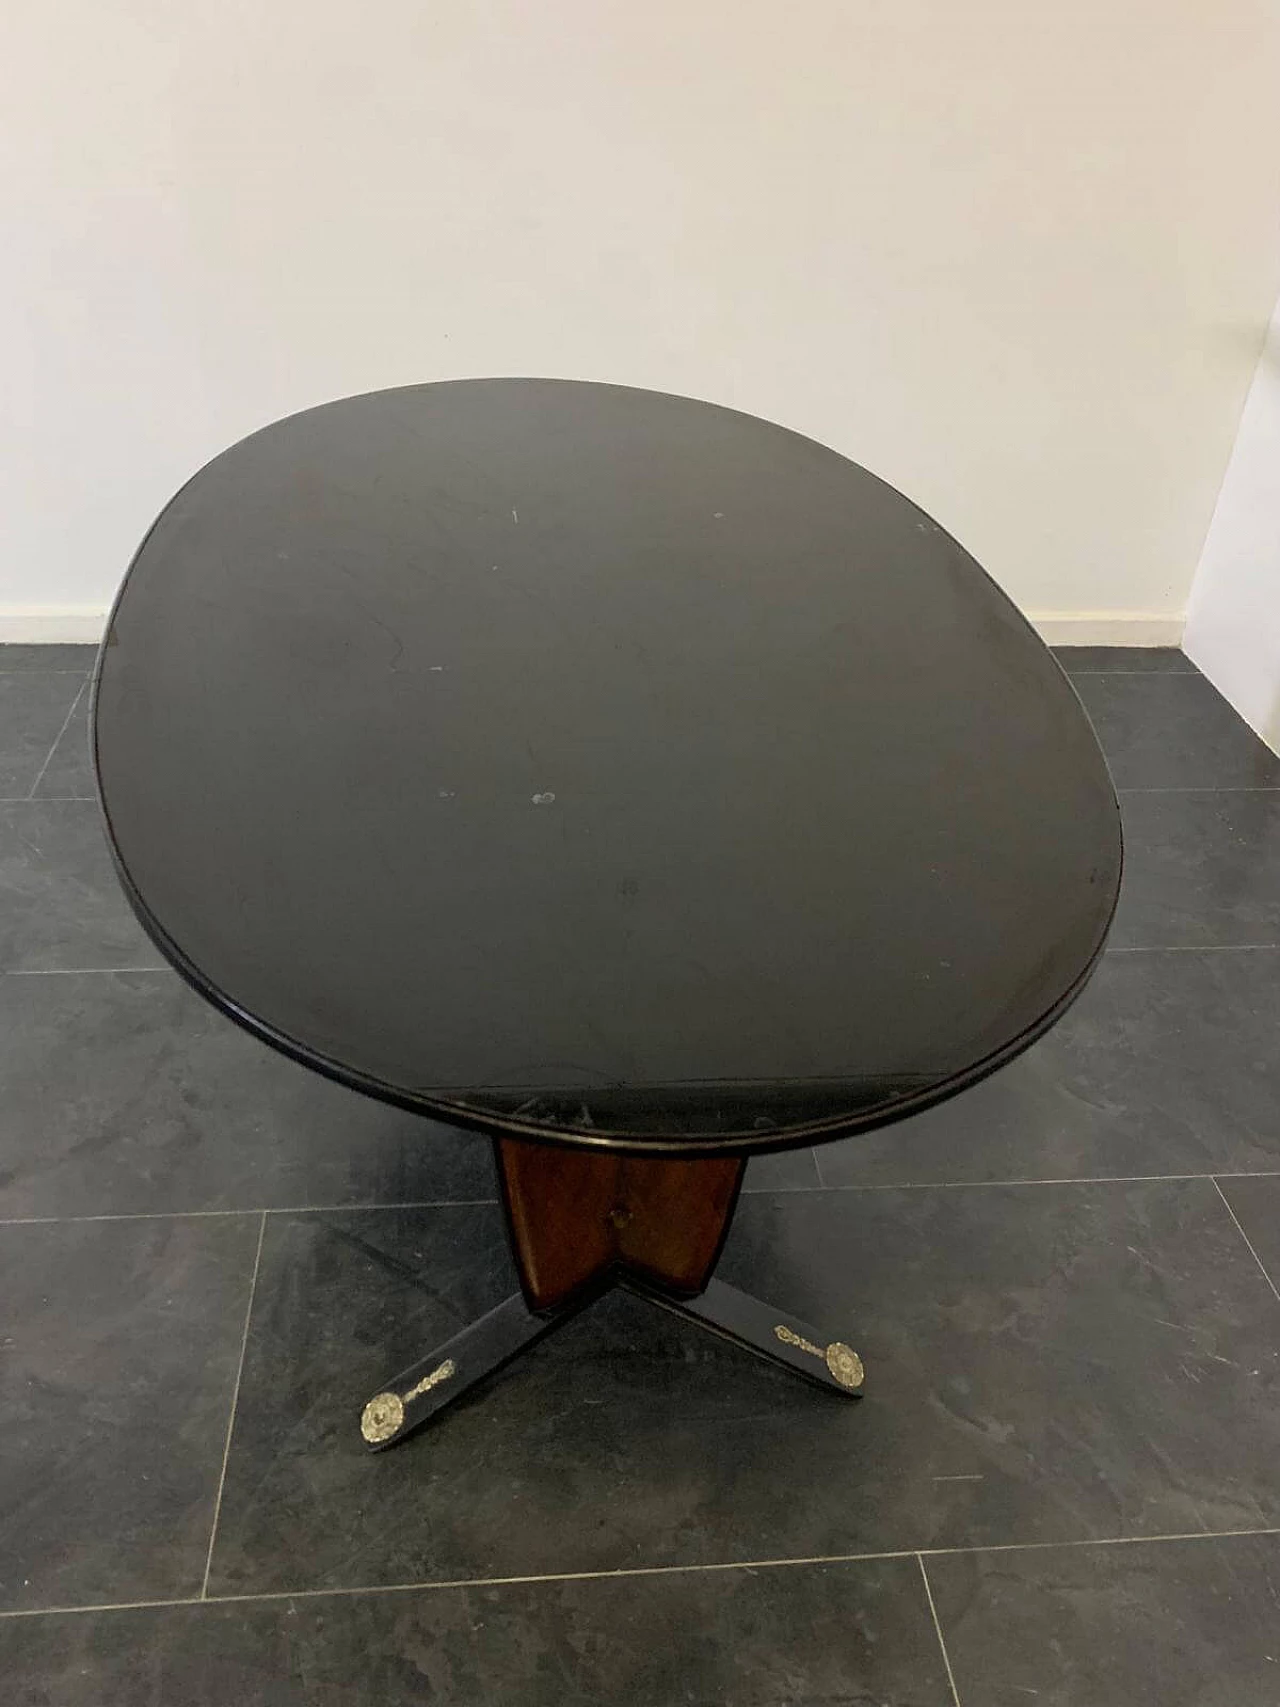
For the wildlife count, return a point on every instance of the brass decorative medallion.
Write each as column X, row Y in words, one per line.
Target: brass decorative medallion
column 382, row 1417
column 841, row 1360
column 845, row 1364
column 442, row 1372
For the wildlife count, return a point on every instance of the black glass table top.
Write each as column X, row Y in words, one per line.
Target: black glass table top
column 598, row 765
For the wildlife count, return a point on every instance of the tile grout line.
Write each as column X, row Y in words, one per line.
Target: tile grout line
column 66, row 723
column 746, row 1565
column 421, row 1586
column 1066, row 1179
column 257, row 1209
column 964, row 1184
column 1262, row 1267
column 99, row 1605
column 78, row 971
column 937, row 1625
column 778, row 1190
column 1193, row 948
column 235, row 1400
column 977, row 1184
column 128, row 1215
column 1210, row 788
column 398, row 1204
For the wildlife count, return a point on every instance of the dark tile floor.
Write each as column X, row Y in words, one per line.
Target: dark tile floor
column 1062, row 1486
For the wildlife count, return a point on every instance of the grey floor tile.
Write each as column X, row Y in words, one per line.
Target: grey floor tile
column 1157, row 1624
column 1044, row 1363
column 1202, row 869
column 60, row 903
column 841, row 1634
column 1167, row 1064
column 56, row 657
column 121, row 1344
column 1174, row 731
column 69, row 773
column 1146, row 660
column 33, row 709
column 1256, row 1205
column 786, row 1170
column 126, row 1093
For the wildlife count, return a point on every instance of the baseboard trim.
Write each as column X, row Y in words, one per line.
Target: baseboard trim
column 1106, row 628
column 54, row 624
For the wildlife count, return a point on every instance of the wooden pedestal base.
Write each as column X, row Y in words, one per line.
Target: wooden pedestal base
column 575, row 1215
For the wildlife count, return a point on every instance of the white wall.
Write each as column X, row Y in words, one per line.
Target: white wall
column 1014, row 255
column 1233, row 622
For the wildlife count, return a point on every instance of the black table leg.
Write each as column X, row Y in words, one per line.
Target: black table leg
column 766, row 1331
column 581, row 1223
column 436, row 1380
column 447, row 1372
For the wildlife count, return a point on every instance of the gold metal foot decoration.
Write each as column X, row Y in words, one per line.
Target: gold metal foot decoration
column 382, row 1417
column 843, row 1362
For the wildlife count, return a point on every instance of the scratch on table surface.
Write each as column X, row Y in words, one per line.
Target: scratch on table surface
column 959, row 1478
column 515, row 514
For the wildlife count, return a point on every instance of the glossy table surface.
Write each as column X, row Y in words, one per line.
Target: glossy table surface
column 597, row 765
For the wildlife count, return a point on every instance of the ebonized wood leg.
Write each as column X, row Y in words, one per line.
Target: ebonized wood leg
column 447, row 1372
column 768, row 1332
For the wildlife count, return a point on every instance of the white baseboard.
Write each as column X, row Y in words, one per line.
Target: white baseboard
column 52, row 624
column 1106, row 628
column 85, row 623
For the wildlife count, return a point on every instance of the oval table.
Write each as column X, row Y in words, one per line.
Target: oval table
column 619, row 776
